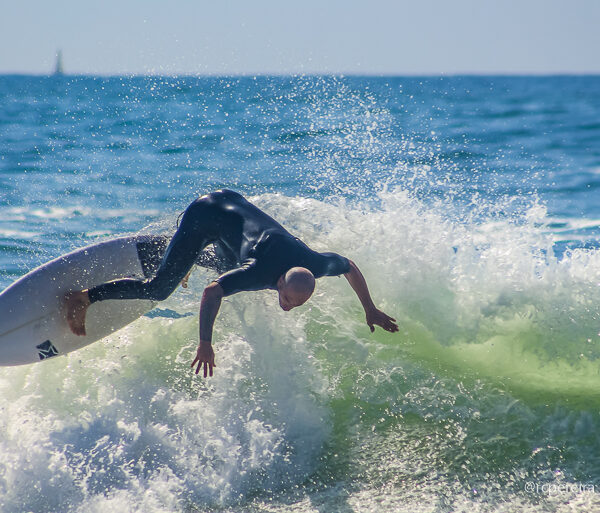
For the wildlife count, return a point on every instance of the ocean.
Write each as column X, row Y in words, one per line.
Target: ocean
column 469, row 203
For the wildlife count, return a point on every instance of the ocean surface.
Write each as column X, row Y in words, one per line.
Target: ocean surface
column 471, row 204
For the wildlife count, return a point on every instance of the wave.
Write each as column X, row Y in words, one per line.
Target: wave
column 490, row 320
column 488, row 298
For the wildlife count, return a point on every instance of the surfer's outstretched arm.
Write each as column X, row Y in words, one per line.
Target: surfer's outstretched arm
column 374, row 315
column 209, row 308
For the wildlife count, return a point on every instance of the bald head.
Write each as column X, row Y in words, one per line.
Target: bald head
column 295, row 287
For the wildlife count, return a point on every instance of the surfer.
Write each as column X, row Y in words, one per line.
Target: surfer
column 257, row 250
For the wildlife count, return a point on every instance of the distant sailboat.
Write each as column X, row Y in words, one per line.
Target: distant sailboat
column 59, row 70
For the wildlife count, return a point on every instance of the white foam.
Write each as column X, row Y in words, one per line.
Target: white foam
column 127, row 425
column 55, row 213
column 21, row 234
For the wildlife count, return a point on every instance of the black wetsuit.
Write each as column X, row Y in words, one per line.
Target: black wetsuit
column 255, row 247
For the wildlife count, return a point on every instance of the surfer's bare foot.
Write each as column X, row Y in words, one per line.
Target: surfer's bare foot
column 77, row 304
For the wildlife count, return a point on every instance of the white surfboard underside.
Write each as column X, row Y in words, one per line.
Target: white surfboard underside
column 33, row 323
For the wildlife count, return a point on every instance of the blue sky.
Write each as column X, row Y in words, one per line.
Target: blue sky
column 306, row 36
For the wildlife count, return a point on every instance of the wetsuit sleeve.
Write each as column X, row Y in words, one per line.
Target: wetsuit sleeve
column 333, row 264
column 246, row 277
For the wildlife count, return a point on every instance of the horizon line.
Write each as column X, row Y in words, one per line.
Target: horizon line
column 306, row 74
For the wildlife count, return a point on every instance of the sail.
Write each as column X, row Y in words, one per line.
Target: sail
column 59, row 70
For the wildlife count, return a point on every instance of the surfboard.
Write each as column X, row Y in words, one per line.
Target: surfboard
column 33, row 324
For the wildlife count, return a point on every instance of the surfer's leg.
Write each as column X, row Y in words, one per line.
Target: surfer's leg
column 177, row 261
column 195, row 232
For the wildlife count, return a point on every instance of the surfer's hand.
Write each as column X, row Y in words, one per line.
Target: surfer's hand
column 205, row 355
column 184, row 282
column 377, row 317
